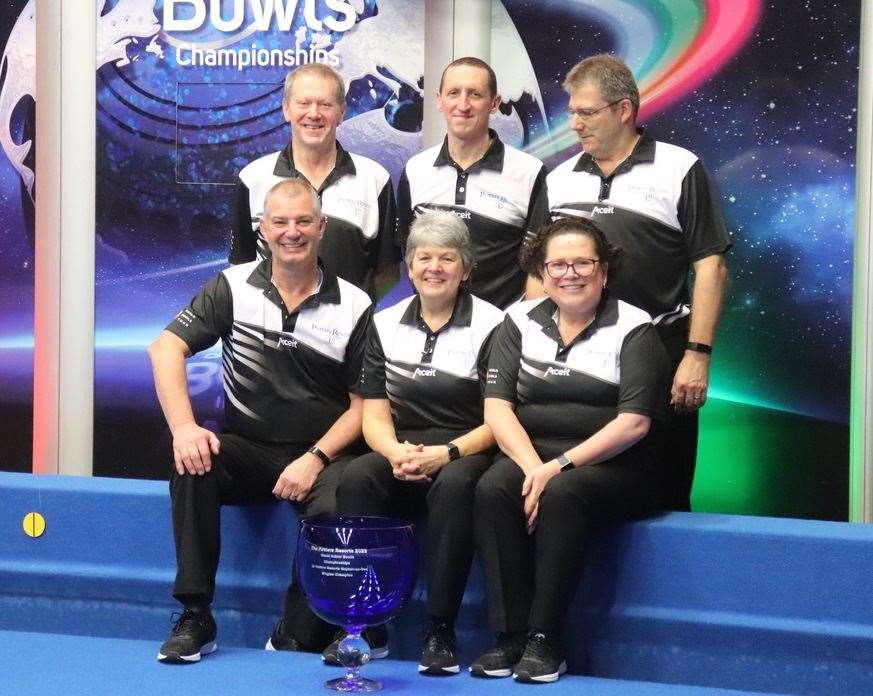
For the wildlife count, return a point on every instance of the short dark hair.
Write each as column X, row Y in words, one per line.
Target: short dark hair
column 534, row 256
column 614, row 78
column 474, row 63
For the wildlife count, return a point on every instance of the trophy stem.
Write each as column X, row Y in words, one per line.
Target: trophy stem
column 353, row 653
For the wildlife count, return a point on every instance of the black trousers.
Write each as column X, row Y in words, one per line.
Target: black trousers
column 531, row 579
column 368, row 487
column 244, row 472
column 675, row 441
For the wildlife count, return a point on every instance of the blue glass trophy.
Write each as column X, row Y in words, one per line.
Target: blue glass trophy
column 356, row 572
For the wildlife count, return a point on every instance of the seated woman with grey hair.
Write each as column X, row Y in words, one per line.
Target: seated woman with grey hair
column 421, row 381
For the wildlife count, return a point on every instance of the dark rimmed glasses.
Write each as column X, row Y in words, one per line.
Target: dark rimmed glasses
column 581, row 267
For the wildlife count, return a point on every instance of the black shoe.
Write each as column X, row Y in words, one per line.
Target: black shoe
column 439, row 656
column 280, row 641
column 193, row 635
column 499, row 660
column 541, row 661
column 376, row 637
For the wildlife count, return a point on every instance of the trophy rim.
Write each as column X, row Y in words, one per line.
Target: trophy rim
column 358, row 522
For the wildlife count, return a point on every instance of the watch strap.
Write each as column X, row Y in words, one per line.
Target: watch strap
column 699, row 347
column 564, row 462
column 318, row 452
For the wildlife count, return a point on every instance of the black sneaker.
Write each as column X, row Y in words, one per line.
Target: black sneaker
column 280, row 641
column 439, row 656
column 541, row 661
column 376, row 637
column 193, row 635
column 499, row 660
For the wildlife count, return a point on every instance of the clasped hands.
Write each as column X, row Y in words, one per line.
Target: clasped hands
column 417, row 463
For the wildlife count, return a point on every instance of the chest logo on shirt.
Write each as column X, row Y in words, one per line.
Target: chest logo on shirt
column 603, row 210
column 558, row 371
column 287, row 342
column 330, row 335
column 649, row 193
column 421, row 372
column 357, row 205
column 494, row 198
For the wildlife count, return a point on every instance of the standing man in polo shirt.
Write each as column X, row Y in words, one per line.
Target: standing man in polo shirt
column 356, row 193
column 655, row 201
column 498, row 191
column 292, row 338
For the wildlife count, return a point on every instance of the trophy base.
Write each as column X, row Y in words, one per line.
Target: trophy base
column 355, row 685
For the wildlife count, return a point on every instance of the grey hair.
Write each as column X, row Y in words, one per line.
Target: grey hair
column 444, row 229
column 614, row 78
column 317, row 70
column 294, row 187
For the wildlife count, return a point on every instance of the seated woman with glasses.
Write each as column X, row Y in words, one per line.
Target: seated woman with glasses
column 421, row 382
column 574, row 381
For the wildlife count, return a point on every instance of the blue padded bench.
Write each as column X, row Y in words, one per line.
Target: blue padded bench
column 758, row 604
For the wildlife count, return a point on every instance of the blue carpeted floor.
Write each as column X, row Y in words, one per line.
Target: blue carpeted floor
column 43, row 664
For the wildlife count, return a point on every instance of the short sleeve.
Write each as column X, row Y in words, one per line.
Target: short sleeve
column 503, row 363
column 386, row 249
column 207, row 318
column 243, row 239
column 700, row 216
column 355, row 350
column 537, row 211
column 373, row 369
column 644, row 373
column 404, row 211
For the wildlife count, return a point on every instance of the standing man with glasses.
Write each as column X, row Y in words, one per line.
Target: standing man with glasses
column 655, row 202
column 293, row 337
column 498, row 191
column 356, row 193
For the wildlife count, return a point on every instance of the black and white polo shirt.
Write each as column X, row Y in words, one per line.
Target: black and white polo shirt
column 569, row 392
column 501, row 197
column 287, row 375
column 357, row 198
column 659, row 207
column 431, row 379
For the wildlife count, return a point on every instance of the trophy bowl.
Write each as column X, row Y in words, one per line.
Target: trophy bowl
column 356, row 572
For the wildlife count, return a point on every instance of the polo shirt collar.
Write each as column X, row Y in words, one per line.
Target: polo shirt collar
column 545, row 313
column 344, row 166
column 492, row 159
column 262, row 278
column 643, row 152
column 462, row 314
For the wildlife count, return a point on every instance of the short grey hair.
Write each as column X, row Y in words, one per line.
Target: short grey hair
column 294, row 187
column 444, row 229
column 316, row 70
column 614, row 78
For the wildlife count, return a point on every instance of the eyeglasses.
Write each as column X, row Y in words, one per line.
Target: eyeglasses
column 588, row 114
column 581, row 267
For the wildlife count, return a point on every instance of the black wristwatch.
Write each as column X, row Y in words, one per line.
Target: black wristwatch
column 699, row 347
column 564, row 462
column 318, row 452
column 454, row 452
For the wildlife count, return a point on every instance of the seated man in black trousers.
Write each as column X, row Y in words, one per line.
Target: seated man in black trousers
column 292, row 340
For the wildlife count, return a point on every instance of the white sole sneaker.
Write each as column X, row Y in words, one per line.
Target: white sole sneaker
column 546, row 678
column 433, row 670
column 205, row 649
column 494, row 673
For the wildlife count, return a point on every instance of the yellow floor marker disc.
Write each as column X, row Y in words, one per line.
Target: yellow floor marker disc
column 34, row 524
